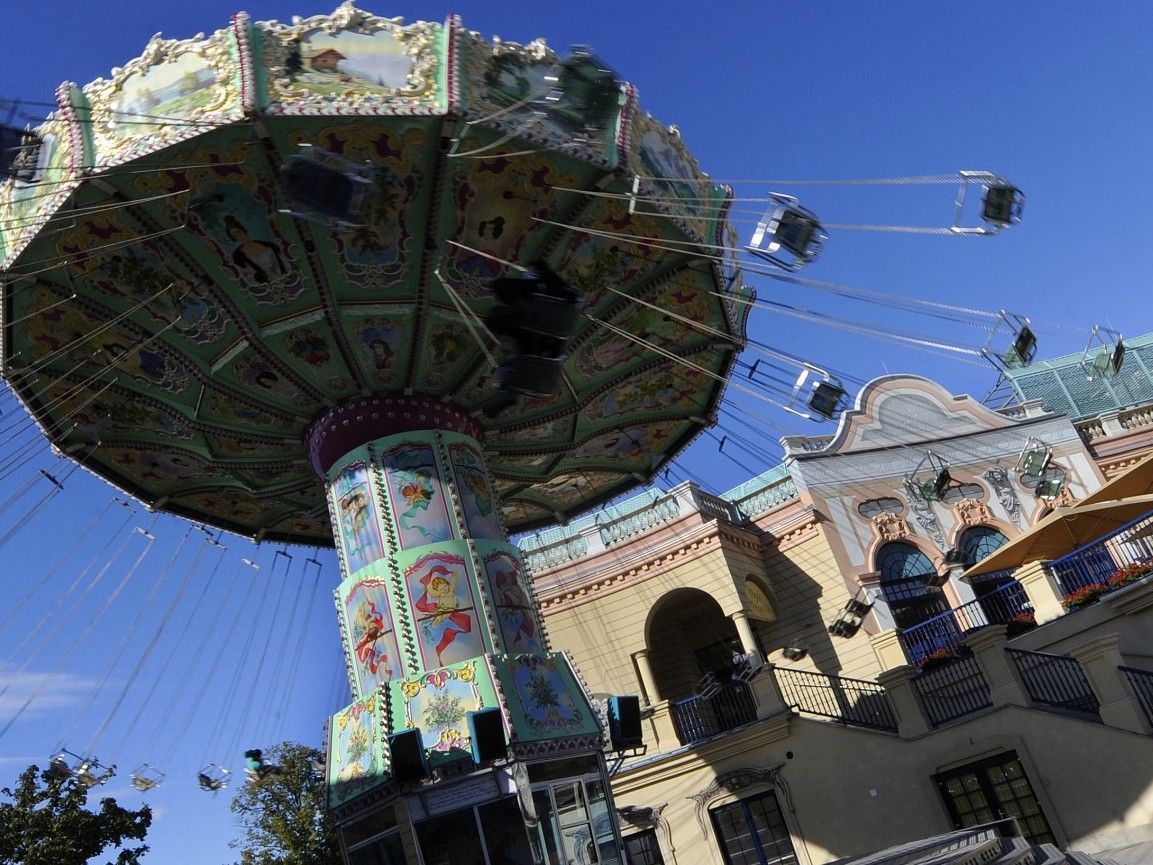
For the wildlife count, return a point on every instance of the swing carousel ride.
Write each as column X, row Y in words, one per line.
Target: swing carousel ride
column 401, row 291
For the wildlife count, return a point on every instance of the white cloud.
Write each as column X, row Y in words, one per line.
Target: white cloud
column 29, row 694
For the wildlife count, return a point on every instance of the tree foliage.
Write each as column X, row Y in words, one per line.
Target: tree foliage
column 284, row 816
column 46, row 822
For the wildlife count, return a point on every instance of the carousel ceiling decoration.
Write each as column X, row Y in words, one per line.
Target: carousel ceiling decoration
column 234, row 233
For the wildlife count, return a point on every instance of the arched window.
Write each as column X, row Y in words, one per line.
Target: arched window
column 978, row 542
column 906, row 573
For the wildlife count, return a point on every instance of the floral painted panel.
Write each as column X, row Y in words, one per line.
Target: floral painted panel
column 355, row 759
column 416, row 494
column 550, row 702
column 438, row 704
column 357, row 517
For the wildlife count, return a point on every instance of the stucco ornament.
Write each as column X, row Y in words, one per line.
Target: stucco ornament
column 735, row 781
column 972, row 512
column 923, row 514
column 890, row 527
column 1002, row 485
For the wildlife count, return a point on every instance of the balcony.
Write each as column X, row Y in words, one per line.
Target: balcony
column 1006, row 605
column 698, row 717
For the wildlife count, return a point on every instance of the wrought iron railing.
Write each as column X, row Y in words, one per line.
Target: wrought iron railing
column 954, row 689
column 1141, row 681
column 1055, row 680
column 856, row 702
column 1094, row 564
column 946, row 630
column 699, row 717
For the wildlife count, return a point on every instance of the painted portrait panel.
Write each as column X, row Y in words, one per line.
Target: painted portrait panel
column 515, row 611
column 357, row 517
column 372, row 646
column 481, row 514
column 445, row 609
column 416, row 495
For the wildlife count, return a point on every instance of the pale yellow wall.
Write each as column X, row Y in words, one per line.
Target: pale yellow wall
column 604, row 629
column 1090, row 779
column 810, row 591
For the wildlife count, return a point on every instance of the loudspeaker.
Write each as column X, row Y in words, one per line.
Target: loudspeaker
column 486, row 729
column 409, row 762
column 625, row 723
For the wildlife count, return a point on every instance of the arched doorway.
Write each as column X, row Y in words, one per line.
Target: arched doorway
column 906, row 581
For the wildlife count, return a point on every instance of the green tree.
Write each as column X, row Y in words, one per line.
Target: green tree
column 284, row 816
column 46, row 823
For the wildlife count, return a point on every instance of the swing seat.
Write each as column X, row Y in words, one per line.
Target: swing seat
column 323, row 185
column 826, row 399
column 788, row 235
column 587, row 91
column 1002, row 204
column 533, row 375
column 19, row 153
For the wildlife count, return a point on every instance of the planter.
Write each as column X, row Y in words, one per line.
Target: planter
column 1084, row 597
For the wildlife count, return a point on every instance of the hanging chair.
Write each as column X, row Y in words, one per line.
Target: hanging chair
column 146, row 777
column 327, row 188
column 788, row 235
column 213, row 777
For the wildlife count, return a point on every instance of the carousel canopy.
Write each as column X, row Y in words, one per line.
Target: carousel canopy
column 234, row 233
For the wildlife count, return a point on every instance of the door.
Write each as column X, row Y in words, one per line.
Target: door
column 991, row 790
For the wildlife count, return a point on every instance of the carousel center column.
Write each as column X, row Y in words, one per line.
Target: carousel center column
column 455, row 687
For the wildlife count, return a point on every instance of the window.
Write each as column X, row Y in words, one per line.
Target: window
column 978, row 543
column 993, row 789
column 753, row 832
column 643, row 849
column 576, row 826
column 876, row 507
column 490, row 834
column 956, row 493
column 905, row 572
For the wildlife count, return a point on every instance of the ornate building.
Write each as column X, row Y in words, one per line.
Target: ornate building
column 826, row 670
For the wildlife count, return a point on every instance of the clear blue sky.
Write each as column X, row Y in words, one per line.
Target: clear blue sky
column 1054, row 96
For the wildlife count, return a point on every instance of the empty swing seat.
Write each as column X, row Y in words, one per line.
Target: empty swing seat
column 826, row 399
column 533, row 375
column 317, row 182
column 550, row 316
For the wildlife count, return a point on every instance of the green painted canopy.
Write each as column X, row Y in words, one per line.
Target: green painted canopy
column 171, row 326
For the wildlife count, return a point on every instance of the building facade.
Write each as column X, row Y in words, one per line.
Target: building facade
column 819, row 676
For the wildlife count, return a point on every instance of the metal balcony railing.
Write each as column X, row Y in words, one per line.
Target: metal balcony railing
column 856, row 702
column 952, row 690
column 697, row 718
column 946, row 630
column 1094, row 564
column 1055, row 680
column 1141, row 681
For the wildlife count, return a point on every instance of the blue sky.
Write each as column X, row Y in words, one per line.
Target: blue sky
column 1054, row 96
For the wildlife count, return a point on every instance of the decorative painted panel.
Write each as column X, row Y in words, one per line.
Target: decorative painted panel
column 356, row 516
column 416, row 494
column 356, row 759
column 481, row 514
column 370, row 632
column 544, row 698
column 516, row 613
column 444, row 605
column 438, row 704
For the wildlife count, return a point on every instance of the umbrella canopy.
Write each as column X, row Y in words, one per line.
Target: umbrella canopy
column 1135, row 481
column 1065, row 530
